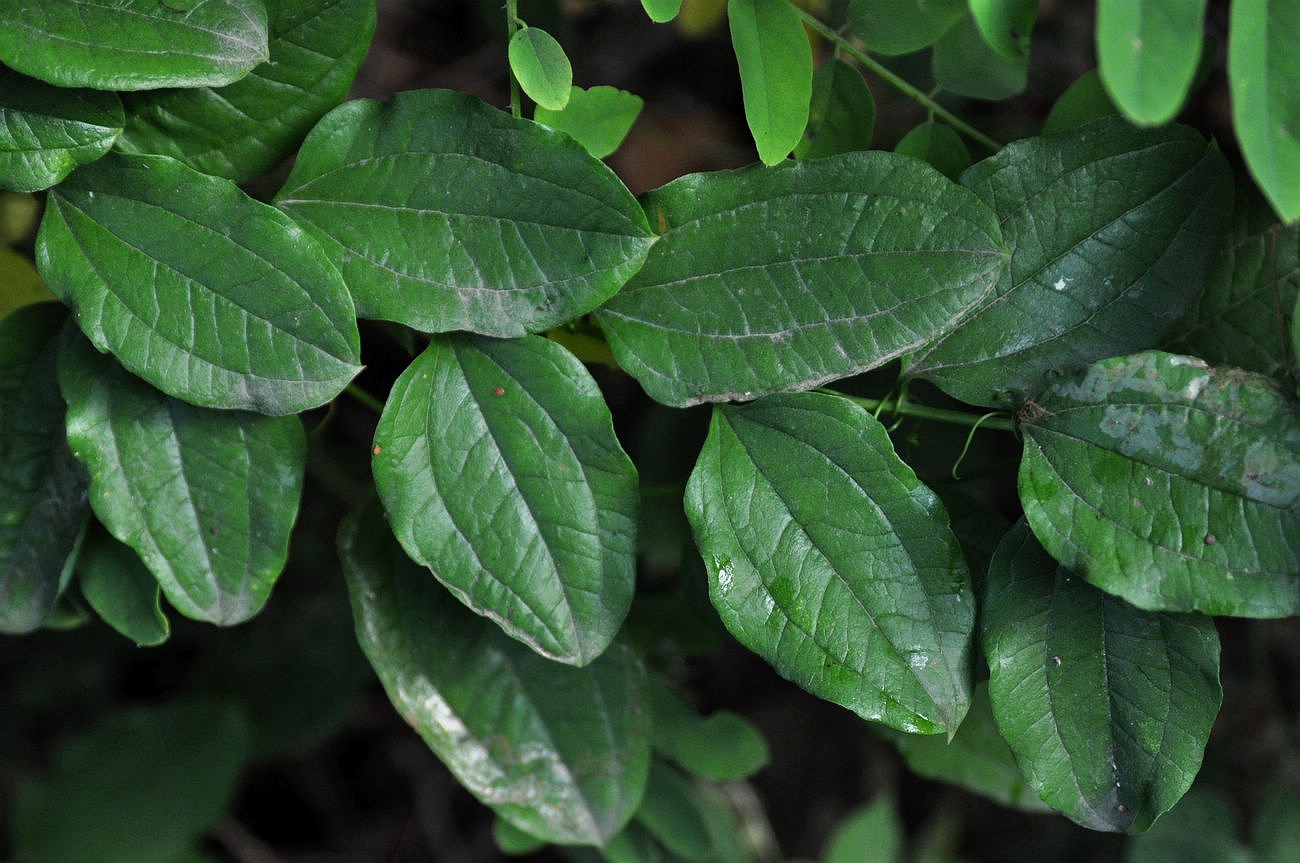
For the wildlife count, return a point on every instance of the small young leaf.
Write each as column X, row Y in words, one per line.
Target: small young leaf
column 560, row 752
column 721, row 746
column 901, row 26
column 1082, row 102
column 842, row 116
column 500, row 471
column 966, row 64
column 134, row 44
column 395, row 191
column 46, row 132
column 1170, row 483
column 830, row 560
column 121, row 589
column 1136, row 219
column 661, row 11
column 210, row 296
column 776, row 73
column 598, row 119
column 207, row 498
column 788, row 277
column 1147, row 53
column 1107, row 708
column 937, row 145
column 1263, row 66
column 541, row 67
column 1006, row 24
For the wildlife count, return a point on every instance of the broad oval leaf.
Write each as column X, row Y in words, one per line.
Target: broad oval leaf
column 121, row 589
column 828, row 558
column 42, row 487
column 1107, row 708
column 1263, row 66
column 1147, row 54
column 398, row 192
column 1082, row 102
column 785, row 278
column 541, row 67
column 206, row 498
column 210, row 296
column 1171, row 483
column 776, row 73
column 134, row 44
column 46, row 132
column 243, row 130
column 937, row 145
column 1005, row 24
column 963, row 62
column 1113, row 229
column 598, row 119
column 560, row 752
column 901, row 26
column 500, row 471
column 842, row 116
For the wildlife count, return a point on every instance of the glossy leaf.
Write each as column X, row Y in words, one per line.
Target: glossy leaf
column 541, row 67
column 1171, row 483
column 46, row 132
column 965, row 63
column 1263, row 67
column 1147, row 54
column 121, row 590
column 500, row 471
column 842, row 116
column 830, row 560
column 662, row 11
column 134, row 44
column 1107, row 708
column 937, row 145
column 1082, row 102
column 902, row 26
column 396, row 193
column 776, row 73
column 243, row 130
column 598, row 119
column 771, row 279
column 42, row 488
column 1200, row 829
column 205, row 293
column 206, row 498
column 560, row 752
column 1113, row 229
column 1006, row 25
column 1237, row 320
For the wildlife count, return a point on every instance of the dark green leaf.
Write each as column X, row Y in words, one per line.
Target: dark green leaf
column 46, row 132
column 500, row 471
column 1171, row 483
column 42, row 488
column 1107, row 708
column 722, row 745
column 776, row 72
column 598, row 119
column 206, row 498
column 205, row 293
column 122, row 590
column 771, row 279
column 560, row 752
column 1200, row 829
column 1239, row 319
column 965, row 64
column 842, row 116
column 245, row 129
column 671, row 813
column 1277, row 828
column 539, row 64
column 1147, row 52
column 1113, row 229
column 937, row 145
column 1263, row 66
column 1082, row 102
column 873, row 832
column 902, row 26
column 134, row 44
column 830, row 560
column 138, row 786
column 444, row 213
column 1006, row 24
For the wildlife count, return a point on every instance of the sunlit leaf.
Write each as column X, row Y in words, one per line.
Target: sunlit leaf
column 1147, row 53
column 541, row 67
column 598, row 119
column 776, row 73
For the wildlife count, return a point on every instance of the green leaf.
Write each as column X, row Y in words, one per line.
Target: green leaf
column 42, row 487
column 139, row 785
column 243, row 130
column 444, row 213
column 46, row 132
column 662, row 11
column 901, row 26
column 1238, row 320
column 512, row 840
column 1006, row 25
column 965, row 63
column 830, row 560
column 722, row 746
column 776, row 72
column 1107, row 708
column 499, row 469
column 560, row 752
column 671, row 813
column 1147, row 53
column 842, row 116
column 1171, row 483
column 1082, row 102
column 1200, row 829
column 210, row 296
column 122, row 590
column 872, row 832
column 937, row 145
column 1263, row 67
column 748, row 291
column 1136, row 217
column 598, row 119
column 134, row 44
column 206, row 498
column 541, row 67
